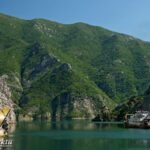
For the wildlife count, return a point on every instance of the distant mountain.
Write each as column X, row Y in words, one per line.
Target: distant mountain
column 70, row 71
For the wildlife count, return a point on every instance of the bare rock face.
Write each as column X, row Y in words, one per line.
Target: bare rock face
column 45, row 116
column 5, row 99
column 30, row 116
column 32, row 69
column 68, row 106
column 25, row 118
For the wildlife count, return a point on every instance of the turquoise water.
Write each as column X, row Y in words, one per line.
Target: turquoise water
column 78, row 135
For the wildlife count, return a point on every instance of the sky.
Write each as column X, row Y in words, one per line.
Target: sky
column 126, row 16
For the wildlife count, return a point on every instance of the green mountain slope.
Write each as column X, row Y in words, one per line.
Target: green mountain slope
column 70, row 70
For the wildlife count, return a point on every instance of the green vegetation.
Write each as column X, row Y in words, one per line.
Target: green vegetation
column 87, row 62
column 134, row 104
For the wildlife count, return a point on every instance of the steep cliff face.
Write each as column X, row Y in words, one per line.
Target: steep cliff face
column 36, row 63
column 5, row 99
column 67, row 106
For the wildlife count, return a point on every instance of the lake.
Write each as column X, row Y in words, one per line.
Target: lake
column 77, row 135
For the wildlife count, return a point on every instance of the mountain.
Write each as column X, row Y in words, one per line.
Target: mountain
column 70, row 71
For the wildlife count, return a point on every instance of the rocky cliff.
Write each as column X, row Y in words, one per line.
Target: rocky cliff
column 6, row 99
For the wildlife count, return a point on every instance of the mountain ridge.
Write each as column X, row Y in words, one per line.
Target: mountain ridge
column 57, row 22
column 70, row 70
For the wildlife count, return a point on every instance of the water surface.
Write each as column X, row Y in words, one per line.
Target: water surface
column 78, row 135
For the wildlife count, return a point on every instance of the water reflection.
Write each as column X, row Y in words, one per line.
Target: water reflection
column 78, row 135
